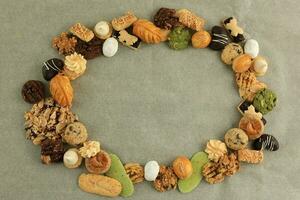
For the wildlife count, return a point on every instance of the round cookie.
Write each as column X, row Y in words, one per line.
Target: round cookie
column 230, row 52
column 72, row 158
column 201, row 39
column 75, row 133
column 236, row 139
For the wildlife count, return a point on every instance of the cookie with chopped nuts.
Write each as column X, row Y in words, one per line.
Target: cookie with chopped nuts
column 82, row 32
column 166, row 179
column 135, row 172
column 166, row 18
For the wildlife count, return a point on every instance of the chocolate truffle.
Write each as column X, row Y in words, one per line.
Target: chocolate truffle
column 33, row 91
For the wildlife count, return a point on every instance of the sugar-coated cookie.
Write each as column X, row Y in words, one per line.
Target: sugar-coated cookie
column 230, row 52
column 110, row 47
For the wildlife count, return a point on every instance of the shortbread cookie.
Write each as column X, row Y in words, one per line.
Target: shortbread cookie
column 82, row 32
column 124, row 21
column 103, row 30
column 250, row 156
column 201, row 39
column 75, row 134
column 230, row 52
column 98, row 184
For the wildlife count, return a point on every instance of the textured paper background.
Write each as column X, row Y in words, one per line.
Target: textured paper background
column 154, row 103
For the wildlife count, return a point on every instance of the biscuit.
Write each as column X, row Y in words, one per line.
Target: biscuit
column 98, row 184
column 230, row 52
column 124, row 21
column 72, row 159
column 242, row 63
column 190, row 20
column 75, row 134
column 252, row 125
column 98, row 164
column 236, row 139
column 201, row 39
column 198, row 161
column 82, row 32
column 117, row 171
column 250, row 156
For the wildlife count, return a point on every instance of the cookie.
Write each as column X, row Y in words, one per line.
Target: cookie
column 260, row 66
column 165, row 18
column 75, row 66
column 82, row 32
column 33, row 91
column 230, row 52
column 266, row 142
column 182, row 167
column 89, row 50
column 265, row 101
column 75, row 134
column 51, row 68
column 252, row 125
column 72, row 158
column 244, row 106
column 236, row 139
column 110, row 47
column 250, row 156
column 117, row 171
column 98, row 164
column 151, row 170
column 215, row 149
column 198, row 161
column 201, row 39
column 127, row 38
column 219, row 38
column 89, row 149
column 124, row 21
column 190, row 20
column 103, row 30
column 179, row 38
column 251, row 48
column 241, row 63
column 236, row 32
column 98, row 184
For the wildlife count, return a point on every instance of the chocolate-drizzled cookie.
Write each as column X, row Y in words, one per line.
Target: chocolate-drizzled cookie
column 219, row 38
column 51, row 67
column 267, row 142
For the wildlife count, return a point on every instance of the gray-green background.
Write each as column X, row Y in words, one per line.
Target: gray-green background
column 154, row 103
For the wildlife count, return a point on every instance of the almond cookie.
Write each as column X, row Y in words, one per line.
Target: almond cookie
column 242, row 63
column 72, row 158
column 98, row 184
column 190, row 20
column 234, row 30
column 82, row 32
column 148, row 32
column 61, row 90
column 250, row 156
column 98, row 164
column 124, row 21
column 75, row 66
column 75, row 134
column 236, row 139
column 230, row 52
column 201, row 39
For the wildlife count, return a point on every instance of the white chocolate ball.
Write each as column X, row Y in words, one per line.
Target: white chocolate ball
column 72, row 159
column 110, row 47
column 251, row 48
column 102, row 29
column 151, row 170
column 260, row 66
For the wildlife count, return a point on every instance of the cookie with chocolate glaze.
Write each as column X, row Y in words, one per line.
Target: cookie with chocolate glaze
column 236, row 32
column 219, row 38
column 127, row 38
column 52, row 67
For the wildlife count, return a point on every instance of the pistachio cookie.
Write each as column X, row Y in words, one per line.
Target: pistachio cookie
column 75, row 133
column 230, row 52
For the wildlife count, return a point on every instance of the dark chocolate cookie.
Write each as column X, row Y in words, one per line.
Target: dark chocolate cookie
column 267, row 142
column 51, row 67
column 219, row 38
column 33, row 91
column 89, row 50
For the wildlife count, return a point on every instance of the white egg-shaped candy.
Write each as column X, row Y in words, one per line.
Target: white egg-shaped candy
column 252, row 48
column 260, row 66
column 110, row 47
column 151, row 170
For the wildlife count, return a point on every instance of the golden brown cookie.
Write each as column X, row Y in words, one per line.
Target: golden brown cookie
column 98, row 164
column 242, row 63
column 82, row 32
column 201, row 39
column 75, row 134
column 124, row 21
column 250, row 156
column 190, row 19
column 61, row 90
column 252, row 125
column 101, row 185
column 148, row 32
column 230, row 52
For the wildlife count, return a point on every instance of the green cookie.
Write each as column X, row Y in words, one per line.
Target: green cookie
column 118, row 172
column 198, row 161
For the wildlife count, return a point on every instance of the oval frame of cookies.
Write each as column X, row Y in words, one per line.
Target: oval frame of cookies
column 63, row 138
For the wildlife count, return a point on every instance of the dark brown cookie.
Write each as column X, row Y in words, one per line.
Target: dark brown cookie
column 165, row 18
column 89, row 50
column 33, row 91
column 52, row 150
